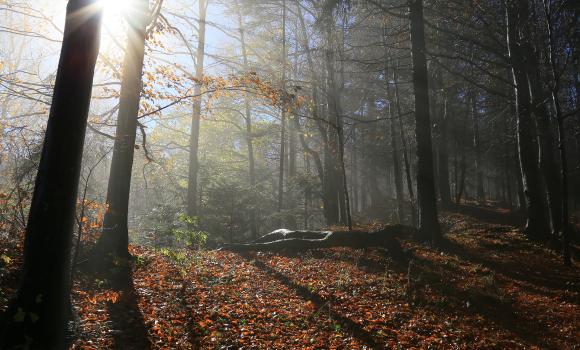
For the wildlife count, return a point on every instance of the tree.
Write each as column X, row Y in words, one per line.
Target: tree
column 428, row 225
column 517, row 12
column 282, row 116
column 564, row 220
column 192, row 207
column 443, row 155
column 114, row 241
column 248, row 120
column 37, row 316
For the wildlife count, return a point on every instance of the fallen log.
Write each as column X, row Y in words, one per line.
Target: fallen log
column 303, row 240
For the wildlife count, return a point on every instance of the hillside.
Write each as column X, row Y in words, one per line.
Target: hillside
column 486, row 287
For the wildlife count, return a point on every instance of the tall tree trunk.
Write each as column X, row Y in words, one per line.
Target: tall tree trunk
column 460, row 183
column 428, row 228
column 517, row 13
column 398, row 176
column 114, row 240
column 334, row 108
column 406, row 161
column 282, row 116
column 328, row 179
column 444, row 190
column 292, row 149
column 507, row 172
column 397, row 169
column 477, row 147
column 248, row 120
column 354, row 171
column 564, row 219
column 330, row 185
column 334, row 179
column 548, row 164
column 37, row 316
column 337, row 128
column 519, row 181
column 307, row 192
column 192, row 203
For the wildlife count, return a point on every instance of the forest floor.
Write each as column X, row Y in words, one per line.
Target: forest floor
column 486, row 287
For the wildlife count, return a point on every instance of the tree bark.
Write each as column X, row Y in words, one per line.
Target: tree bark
column 406, row 162
column 428, row 228
column 564, row 219
column 38, row 315
column 548, row 164
column 248, row 120
column 336, row 128
column 477, row 147
column 282, row 117
column 114, row 240
column 517, row 13
column 192, row 202
column 398, row 176
column 444, row 190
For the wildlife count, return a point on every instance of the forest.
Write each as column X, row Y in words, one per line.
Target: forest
column 289, row 174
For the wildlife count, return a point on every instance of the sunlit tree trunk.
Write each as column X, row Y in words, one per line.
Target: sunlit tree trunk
column 192, row 197
column 37, row 317
column 428, row 225
column 114, row 239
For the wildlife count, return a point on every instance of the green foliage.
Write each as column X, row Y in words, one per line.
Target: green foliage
column 188, row 233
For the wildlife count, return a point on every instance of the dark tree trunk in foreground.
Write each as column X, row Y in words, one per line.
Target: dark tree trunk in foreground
column 192, row 207
column 517, row 14
column 564, row 219
column 38, row 315
column 114, row 240
column 428, row 223
column 548, row 164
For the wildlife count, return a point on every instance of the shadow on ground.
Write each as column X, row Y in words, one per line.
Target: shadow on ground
column 127, row 324
column 355, row 329
column 488, row 214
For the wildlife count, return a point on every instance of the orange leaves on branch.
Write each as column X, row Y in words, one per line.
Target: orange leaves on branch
column 169, row 85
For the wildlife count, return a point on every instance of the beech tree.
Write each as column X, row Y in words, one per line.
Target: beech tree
column 428, row 224
column 114, row 241
column 37, row 317
column 192, row 205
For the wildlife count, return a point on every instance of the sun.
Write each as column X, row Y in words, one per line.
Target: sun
column 118, row 7
column 114, row 12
